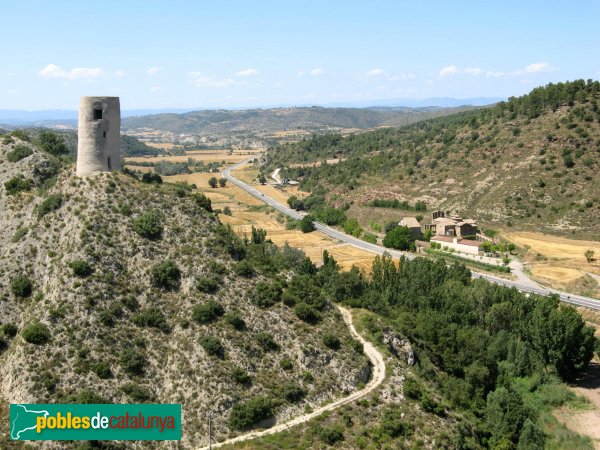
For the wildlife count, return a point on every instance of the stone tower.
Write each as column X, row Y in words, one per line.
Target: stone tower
column 99, row 135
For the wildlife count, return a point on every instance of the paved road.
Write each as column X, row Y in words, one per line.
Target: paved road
column 520, row 284
column 378, row 375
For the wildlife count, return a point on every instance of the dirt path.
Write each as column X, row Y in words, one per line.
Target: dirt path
column 585, row 422
column 377, row 360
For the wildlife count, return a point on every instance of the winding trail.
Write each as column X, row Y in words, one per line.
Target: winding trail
column 378, row 375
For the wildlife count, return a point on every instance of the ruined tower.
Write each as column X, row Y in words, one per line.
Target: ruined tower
column 99, row 135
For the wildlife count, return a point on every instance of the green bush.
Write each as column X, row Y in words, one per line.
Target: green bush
column 102, row 370
column 329, row 436
column 207, row 285
column 290, row 392
column 36, row 333
column 244, row 415
column 307, row 313
column 17, row 184
column 306, row 224
column 411, row 388
column 52, row 203
column 267, row 342
column 400, row 238
column 81, row 268
column 286, row 364
column 393, row 425
column 212, row 346
column 136, row 392
column 148, row 225
column 234, row 318
column 203, row 202
column 19, row 152
column 331, row 341
column 244, row 269
column 52, row 143
column 133, row 362
column 21, row 286
column 9, row 330
column 207, row 312
column 152, row 178
column 153, row 318
column 266, row 294
column 166, row 275
column 240, row 376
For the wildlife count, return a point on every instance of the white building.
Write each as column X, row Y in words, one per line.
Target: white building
column 459, row 244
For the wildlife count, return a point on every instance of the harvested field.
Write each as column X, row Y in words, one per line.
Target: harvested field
column 204, row 156
column 142, row 169
column 554, row 246
column 560, row 274
column 161, row 145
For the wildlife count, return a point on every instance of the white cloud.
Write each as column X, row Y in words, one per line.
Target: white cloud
column 153, row 70
column 375, row 73
column 120, row 73
column 403, row 76
column 155, row 89
column 473, row 71
column 247, row 73
column 77, row 73
column 316, row 72
column 539, row 67
column 200, row 80
column 449, row 70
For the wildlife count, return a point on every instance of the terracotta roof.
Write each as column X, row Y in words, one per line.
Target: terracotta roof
column 442, row 239
column 444, row 221
column 470, row 242
column 410, row 222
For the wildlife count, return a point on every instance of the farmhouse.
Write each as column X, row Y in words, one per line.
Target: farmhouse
column 451, row 226
column 413, row 224
column 459, row 244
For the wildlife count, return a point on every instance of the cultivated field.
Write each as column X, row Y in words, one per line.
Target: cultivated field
column 196, row 156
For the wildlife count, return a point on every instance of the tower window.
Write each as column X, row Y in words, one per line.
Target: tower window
column 97, row 114
column 108, row 164
column 104, row 134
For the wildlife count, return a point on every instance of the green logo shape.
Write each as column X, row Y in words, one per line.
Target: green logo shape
column 79, row 422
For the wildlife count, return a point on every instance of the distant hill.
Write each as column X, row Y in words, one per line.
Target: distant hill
column 530, row 162
column 311, row 118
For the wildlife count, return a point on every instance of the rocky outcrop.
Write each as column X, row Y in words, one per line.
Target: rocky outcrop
column 399, row 346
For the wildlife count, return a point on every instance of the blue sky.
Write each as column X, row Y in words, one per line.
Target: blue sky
column 227, row 54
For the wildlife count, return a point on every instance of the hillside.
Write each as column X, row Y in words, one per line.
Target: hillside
column 530, row 162
column 311, row 118
column 117, row 291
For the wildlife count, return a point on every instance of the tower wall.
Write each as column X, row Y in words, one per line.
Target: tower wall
column 99, row 135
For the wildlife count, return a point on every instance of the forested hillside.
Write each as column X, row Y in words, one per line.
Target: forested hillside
column 530, row 161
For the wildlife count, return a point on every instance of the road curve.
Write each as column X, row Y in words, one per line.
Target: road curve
column 378, row 375
column 577, row 300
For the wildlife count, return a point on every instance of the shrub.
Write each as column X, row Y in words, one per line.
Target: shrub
column 266, row 295
column 102, row 370
column 152, row 178
column 212, row 346
column 234, row 318
column 81, row 268
column 21, row 286
column 203, row 202
column 17, row 184
column 207, row 312
column 307, row 313
column 411, row 388
column 36, row 333
column 153, row 318
column 331, row 341
column 240, row 376
column 136, row 392
column 148, row 225
column 286, row 364
column 9, row 330
column 400, row 238
column 52, row 203
column 133, row 362
column 306, row 224
column 52, row 143
column 329, row 435
column 19, row 152
column 227, row 211
column 212, row 182
column 291, row 392
column 244, row 415
column 244, row 269
column 267, row 342
column 393, row 425
column 166, row 275
column 207, row 284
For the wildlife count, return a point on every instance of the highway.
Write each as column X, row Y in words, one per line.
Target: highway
column 573, row 299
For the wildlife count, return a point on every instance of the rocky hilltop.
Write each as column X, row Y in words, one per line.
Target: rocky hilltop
column 112, row 290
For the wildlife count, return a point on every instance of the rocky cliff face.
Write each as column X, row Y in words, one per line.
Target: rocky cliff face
column 96, row 307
